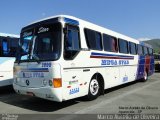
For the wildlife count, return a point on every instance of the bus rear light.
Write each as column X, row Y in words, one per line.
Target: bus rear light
column 57, row 82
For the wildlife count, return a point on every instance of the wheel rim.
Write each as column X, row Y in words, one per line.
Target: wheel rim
column 94, row 87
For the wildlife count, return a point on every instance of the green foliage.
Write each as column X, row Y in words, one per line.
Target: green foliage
column 155, row 44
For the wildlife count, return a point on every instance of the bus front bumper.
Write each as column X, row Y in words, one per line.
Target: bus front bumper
column 49, row 93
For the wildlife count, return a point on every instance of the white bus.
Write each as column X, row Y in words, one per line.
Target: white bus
column 63, row 57
column 8, row 47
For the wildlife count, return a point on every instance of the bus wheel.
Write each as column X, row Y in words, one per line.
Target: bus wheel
column 145, row 77
column 94, row 89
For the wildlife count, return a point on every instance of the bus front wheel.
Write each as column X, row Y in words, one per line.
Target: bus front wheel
column 94, row 89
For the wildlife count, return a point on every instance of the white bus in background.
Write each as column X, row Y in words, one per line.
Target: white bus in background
column 63, row 57
column 8, row 47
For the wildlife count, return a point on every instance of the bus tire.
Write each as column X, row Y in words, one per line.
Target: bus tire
column 94, row 89
column 145, row 77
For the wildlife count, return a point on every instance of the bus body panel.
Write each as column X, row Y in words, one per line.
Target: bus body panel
column 146, row 63
column 6, row 71
column 77, row 73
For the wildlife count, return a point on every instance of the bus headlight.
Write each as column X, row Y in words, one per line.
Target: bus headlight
column 50, row 83
column 44, row 82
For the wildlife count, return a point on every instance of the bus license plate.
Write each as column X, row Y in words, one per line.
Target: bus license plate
column 30, row 94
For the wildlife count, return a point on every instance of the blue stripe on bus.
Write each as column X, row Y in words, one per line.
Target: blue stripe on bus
column 111, row 55
column 71, row 21
column 36, row 70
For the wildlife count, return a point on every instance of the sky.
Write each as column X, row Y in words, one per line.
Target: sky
column 138, row 19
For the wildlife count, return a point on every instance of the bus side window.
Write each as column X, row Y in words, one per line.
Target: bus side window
column 13, row 47
column 123, row 46
column 133, row 48
column 145, row 50
column 93, row 39
column 72, row 42
column 140, row 50
column 110, row 43
column 150, row 51
column 5, row 47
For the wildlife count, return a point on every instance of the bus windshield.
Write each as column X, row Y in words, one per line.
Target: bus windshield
column 41, row 43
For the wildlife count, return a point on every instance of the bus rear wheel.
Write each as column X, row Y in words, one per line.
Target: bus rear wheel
column 94, row 89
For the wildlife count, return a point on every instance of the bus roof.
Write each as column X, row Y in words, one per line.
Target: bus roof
column 83, row 22
column 56, row 16
column 9, row 35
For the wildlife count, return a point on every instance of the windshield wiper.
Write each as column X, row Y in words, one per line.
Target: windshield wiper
column 35, row 57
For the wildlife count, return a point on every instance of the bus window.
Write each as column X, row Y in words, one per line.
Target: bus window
column 72, row 42
column 150, row 51
column 8, row 46
column 5, row 47
column 109, row 43
column 46, row 42
column 25, row 45
column 13, row 47
column 93, row 38
column 140, row 50
column 145, row 50
column 123, row 46
column 98, row 41
column 133, row 48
